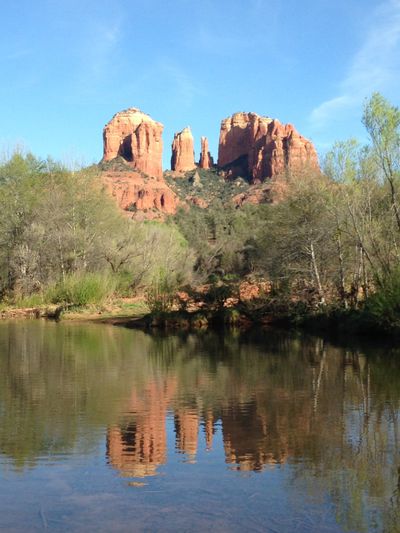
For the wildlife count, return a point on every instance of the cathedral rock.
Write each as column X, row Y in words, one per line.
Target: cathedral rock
column 135, row 137
column 258, row 148
column 251, row 146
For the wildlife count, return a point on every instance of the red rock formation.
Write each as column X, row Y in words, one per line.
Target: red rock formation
column 260, row 147
column 136, row 137
column 182, row 158
column 206, row 161
column 135, row 193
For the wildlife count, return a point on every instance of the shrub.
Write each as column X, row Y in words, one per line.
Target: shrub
column 81, row 289
column 123, row 286
column 34, row 300
column 219, row 292
column 383, row 307
column 160, row 296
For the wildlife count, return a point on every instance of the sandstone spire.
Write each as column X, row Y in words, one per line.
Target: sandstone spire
column 182, row 158
column 206, row 161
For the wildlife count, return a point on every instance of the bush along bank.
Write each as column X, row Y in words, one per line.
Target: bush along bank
column 232, row 303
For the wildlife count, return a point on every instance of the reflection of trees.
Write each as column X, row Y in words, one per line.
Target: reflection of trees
column 356, row 454
column 278, row 398
column 51, row 375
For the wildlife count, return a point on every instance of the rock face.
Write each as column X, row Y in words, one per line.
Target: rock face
column 260, row 147
column 149, row 198
column 136, row 137
column 206, row 161
column 182, row 158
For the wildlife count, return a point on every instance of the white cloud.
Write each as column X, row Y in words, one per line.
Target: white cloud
column 375, row 67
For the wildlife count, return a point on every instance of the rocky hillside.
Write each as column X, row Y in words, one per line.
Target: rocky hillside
column 202, row 188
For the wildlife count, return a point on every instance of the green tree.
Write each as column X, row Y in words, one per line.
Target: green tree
column 382, row 121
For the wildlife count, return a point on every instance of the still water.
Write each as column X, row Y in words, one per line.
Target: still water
column 109, row 429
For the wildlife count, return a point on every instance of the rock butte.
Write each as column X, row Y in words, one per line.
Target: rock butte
column 206, row 161
column 182, row 158
column 258, row 148
column 136, row 137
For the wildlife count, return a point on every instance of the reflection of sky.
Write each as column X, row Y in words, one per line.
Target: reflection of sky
column 83, row 491
column 80, row 490
column 354, row 426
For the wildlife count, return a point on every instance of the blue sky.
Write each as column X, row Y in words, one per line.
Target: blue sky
column 67, row 66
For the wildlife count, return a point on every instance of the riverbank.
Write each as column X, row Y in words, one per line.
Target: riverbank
column 118, row 312
column 134, row 313
column 330, row 321
column 357, row 322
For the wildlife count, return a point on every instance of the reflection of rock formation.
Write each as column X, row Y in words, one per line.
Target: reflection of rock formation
column 252, row 437
column 246, row 438
column 136, row 450
column 209, row 428
column 256, row 435
column 264, row 421
column 187, row 432
column 139, row 446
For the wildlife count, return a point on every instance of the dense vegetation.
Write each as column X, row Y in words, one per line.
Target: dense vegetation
column 330, row 244
column 64, row 240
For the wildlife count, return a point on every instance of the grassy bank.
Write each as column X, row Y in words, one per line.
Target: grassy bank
column 120, row 310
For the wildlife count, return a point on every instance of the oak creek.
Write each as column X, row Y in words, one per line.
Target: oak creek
column 109, row 429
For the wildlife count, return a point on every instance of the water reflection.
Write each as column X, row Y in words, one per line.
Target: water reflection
column 138, row 445
column 330, row 415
